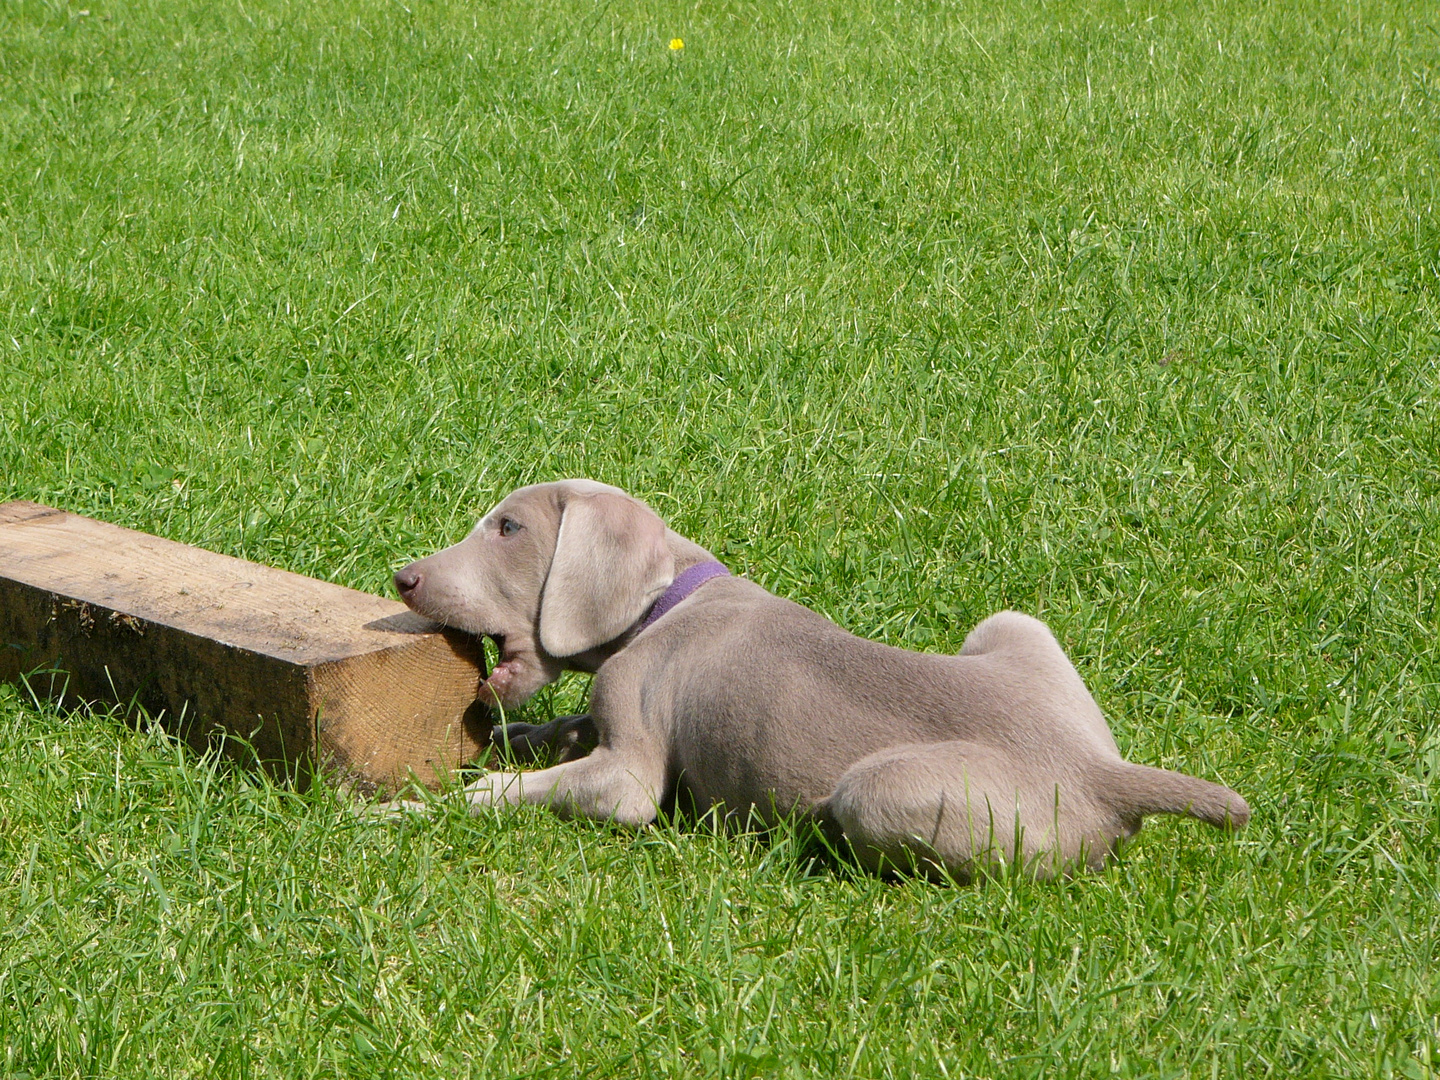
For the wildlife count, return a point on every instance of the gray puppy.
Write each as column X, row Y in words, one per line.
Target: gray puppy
column 710, row 689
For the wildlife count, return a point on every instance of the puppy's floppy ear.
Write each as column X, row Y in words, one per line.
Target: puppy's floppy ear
column 611, row 563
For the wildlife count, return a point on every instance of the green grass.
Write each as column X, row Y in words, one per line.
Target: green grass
column 1124, row 315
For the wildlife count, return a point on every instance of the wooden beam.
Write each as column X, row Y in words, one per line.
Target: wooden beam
column 313, row 674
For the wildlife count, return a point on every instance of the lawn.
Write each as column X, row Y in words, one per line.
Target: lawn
column 1124, row 315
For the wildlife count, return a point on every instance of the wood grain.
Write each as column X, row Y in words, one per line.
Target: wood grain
column 312, row 674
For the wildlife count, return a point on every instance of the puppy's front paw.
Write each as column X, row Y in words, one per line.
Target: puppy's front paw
column 396, row 808
column 494, row 789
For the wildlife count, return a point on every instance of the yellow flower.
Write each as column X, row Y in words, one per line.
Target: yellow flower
column 676, row 44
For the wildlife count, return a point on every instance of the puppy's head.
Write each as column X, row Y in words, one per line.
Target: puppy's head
column 555, row 570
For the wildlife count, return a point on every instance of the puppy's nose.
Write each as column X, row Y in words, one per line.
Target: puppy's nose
column 407, row 581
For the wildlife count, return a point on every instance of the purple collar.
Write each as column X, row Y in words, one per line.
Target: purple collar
column 685, row 583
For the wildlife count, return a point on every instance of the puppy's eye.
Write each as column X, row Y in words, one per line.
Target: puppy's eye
column 509, row 526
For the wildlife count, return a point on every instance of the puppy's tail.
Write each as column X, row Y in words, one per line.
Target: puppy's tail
column 1136, row 790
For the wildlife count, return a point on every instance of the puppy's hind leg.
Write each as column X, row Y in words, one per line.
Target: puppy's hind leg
column 948, row 807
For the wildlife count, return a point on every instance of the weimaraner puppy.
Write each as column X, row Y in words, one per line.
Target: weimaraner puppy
column 711, row 689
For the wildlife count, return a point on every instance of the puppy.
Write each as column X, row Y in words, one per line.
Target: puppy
column 711, row 690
